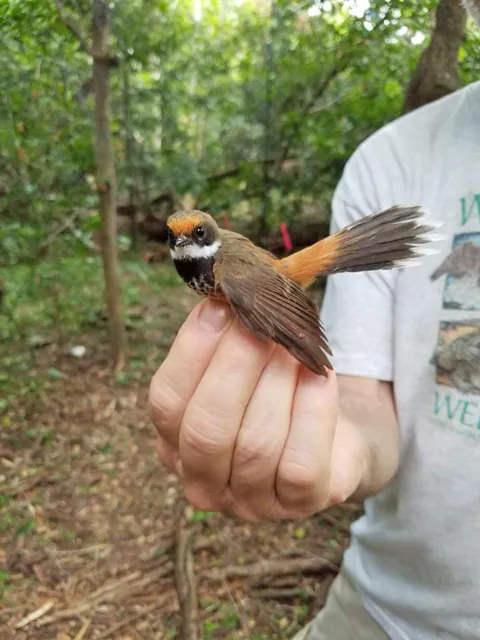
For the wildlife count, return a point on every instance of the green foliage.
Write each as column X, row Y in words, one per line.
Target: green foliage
column 198, row 102
column 35, row 302
column 46, row 150
column 201, row 516
column 227, row 618
column 59, row 301
column 246, row 107
column 4, row 584
column 16, row 522
column 66, row 293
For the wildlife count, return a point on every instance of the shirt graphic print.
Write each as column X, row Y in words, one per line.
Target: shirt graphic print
column 457, row 354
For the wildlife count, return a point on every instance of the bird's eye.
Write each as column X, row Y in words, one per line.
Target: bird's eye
column 200, row 232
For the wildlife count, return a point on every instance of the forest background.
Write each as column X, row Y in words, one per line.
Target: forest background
column 112, row 116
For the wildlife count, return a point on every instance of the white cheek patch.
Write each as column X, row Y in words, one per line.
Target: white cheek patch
column 194, row 251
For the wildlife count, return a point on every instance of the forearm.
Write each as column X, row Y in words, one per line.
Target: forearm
column 367, row 409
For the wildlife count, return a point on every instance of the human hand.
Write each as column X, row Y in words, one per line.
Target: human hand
column 248, row 430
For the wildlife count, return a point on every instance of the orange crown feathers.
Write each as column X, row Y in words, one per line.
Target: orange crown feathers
column 185, row 224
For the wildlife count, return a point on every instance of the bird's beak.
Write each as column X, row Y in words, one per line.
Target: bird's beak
column 182, row 241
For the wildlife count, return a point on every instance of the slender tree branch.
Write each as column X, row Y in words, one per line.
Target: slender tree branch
column 343, row 61
column 63, row 226
column 74, row 29
column 235, row 171
column 70, row 24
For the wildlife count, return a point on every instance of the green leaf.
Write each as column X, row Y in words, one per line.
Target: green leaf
column 55, row 373
column 300, row 533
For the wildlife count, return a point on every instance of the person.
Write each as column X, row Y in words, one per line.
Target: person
column 397, row 424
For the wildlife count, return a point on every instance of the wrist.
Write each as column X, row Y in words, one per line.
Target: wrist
column 379, row 463
column 368, row 427
column 350, row 463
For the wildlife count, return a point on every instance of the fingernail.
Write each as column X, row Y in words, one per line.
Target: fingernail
column 214, row 316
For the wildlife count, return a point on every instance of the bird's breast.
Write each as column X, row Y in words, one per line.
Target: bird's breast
column 198, row 274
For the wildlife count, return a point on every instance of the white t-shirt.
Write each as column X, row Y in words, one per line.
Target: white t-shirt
column 415, row 554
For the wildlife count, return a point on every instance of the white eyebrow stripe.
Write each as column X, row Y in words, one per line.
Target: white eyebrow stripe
column 194, row 251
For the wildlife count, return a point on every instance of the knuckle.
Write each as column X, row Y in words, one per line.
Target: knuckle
column 337, row 495
column 249, row 453
column 298, row 473
column 194, row 438
column 253, row 464
column 163, row 404
column 201, row 434
column 297, row 478
column 199, row 439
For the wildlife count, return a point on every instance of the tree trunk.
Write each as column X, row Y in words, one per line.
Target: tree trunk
column 106, row 182
column 436, row 74
column 266, row 201
column 129, row 155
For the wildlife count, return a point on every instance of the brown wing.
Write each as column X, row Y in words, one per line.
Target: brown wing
column 271, row 306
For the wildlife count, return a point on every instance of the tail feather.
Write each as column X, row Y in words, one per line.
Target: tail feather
column 384, row 240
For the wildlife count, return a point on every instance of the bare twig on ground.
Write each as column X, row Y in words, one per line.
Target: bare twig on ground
column 84, row 550
column 240, row 612
column 319, row 598
column 283, row 593
column 115, row 585
column 81, row 634
column 116, row 591
column 35, row 615
column 185, row 579
column 126, row 621
column 336, row 522
column 272, row 568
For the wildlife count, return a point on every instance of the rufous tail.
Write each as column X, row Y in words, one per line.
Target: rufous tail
column 384, row 240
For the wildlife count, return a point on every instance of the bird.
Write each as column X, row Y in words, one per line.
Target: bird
column 459, row 359
column 268, row 294
column 463, row 260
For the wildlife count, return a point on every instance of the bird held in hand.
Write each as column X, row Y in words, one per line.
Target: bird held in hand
column 267, row 294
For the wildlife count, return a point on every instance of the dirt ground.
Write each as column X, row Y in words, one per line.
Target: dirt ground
column 95, row 541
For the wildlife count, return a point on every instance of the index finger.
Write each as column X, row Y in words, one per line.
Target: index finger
column 177, row 378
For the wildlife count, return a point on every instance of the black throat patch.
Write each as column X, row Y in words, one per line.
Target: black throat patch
column 198, row 274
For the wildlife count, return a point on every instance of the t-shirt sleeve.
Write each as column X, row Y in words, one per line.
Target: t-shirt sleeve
column 358, row 308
